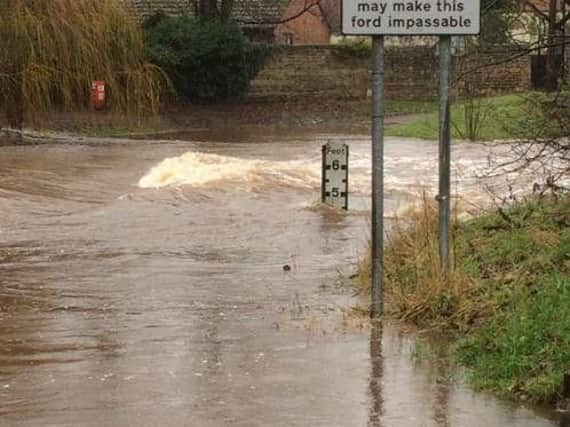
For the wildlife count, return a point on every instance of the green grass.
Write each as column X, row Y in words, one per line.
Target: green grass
column 395, row 108
column 522, row 260
column 497, row 119
column 506, row 307
column 398, row 108
column 526, row 350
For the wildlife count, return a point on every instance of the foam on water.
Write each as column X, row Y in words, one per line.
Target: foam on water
column 408, row 173
column 205, row 170
column 195, row 169
column 202, row 169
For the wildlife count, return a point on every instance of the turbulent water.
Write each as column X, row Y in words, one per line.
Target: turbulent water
column 142, row 283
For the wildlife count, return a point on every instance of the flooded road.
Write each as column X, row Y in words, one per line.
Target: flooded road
column 143, row 284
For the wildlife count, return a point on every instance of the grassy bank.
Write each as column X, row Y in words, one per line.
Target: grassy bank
column 507, row 303
column 482, row 118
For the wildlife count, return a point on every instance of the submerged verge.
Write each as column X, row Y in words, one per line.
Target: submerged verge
column 506, row 306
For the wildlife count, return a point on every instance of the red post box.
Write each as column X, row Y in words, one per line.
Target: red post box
column 98, row 100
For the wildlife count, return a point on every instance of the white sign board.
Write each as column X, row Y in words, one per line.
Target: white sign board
column 411, row 18
column 335, row 174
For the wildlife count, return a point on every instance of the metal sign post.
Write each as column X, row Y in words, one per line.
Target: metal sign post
column 378, row 18
column 335, row 175
column 377, row 176
column 444, row 195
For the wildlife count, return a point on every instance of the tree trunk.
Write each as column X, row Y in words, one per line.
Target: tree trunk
column 207, row 9
column 563, row 71
column 13, row 81
column 15, row 104
column 226, row 10
column 553, row 50
column 566, row 386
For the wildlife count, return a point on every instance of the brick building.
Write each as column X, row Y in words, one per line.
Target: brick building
column 269, row 21
column 303, row 22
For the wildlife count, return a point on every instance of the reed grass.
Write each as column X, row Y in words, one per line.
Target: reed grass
column 51, row 51
column 415, row 289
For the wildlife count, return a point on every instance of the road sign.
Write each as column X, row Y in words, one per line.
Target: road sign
column 335, row 174
column 409, row 18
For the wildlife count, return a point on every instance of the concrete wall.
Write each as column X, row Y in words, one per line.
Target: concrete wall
column 411, row 73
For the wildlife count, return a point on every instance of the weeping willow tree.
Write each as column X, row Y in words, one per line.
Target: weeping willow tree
column 51, row 51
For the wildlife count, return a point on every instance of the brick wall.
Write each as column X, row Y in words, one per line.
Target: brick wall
column 489, row 74
column 308, row 70
column 411, row 73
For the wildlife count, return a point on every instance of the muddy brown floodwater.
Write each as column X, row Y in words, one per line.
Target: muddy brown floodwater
column 141, row 291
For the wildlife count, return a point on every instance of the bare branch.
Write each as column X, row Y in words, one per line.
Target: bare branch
column 536, row 10
column 564, row 20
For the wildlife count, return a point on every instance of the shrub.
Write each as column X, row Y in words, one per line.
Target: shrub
column 544, row 136
column 206, row 60
column 556, row 109
column 360, row 48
